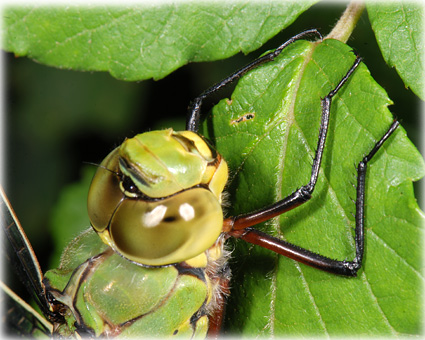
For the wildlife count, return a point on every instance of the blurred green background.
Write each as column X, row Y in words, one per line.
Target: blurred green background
column 56, row 120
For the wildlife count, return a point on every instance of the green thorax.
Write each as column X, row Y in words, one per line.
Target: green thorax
column 108, row 295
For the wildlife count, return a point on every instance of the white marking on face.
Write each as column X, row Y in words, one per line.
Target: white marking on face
column 152, row 218
column 186, row 211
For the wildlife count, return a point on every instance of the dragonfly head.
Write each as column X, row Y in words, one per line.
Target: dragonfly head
column 156, row 199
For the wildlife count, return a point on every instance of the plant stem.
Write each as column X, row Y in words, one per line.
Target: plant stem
column 345, row 25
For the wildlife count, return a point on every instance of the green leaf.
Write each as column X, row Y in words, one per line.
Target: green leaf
column 143, row 41
column 398, row 28
column 270, row 156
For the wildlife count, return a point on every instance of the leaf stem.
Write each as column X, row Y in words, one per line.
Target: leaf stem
column 345, row 25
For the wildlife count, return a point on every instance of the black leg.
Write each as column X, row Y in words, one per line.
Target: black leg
column 360, row 200
column 303, row 194
column 194, row 113
column 348, row 268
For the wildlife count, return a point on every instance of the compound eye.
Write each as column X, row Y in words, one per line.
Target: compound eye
column 105, row 193
column 128, row 187
column 167, row 231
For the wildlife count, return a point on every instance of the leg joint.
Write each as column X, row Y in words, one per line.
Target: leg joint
column 306, row 191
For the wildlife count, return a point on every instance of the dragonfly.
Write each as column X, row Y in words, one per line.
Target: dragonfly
column 155, row 262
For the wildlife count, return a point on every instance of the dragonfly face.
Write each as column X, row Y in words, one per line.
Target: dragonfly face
column 156, row 199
